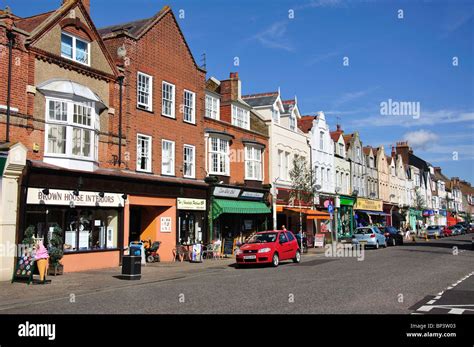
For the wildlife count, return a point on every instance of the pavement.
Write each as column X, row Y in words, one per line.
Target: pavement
column 402, row 279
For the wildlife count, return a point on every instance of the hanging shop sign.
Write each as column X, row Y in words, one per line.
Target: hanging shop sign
column 346, row 201
column 66, row 197
column 252, row 195
column 165, row 225
column 368, row 204
column 191, row 204
column 226, row 192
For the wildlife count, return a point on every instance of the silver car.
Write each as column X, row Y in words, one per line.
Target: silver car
column 434, row 231
column 369, row 236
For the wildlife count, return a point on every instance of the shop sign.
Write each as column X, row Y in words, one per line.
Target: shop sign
column 191, row 204
column 369, row 205
column 252, row 195
column 319, row 240
column 66, row 197
column 428, row 213
column 165, row 226
column 346, row 201
column 226, row 192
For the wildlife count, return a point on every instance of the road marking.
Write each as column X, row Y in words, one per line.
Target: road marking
column 431, row 302
column 456, row 311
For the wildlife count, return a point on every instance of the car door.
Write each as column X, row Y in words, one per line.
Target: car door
column 380, row 236
column 293, row 244
column 284, row 246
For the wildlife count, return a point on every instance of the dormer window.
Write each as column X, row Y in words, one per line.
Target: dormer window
column 292, row 122
column 276, row 116
column 341, row 149
column 75, row 49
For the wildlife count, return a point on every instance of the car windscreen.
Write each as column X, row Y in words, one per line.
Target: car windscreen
column 432, row 227
column 363, row 231
column 263, row 238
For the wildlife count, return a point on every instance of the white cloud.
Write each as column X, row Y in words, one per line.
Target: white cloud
column 351, row 96
column 275, row 36
column 420, row 139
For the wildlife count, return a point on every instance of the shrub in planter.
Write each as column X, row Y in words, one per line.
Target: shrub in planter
column 56, row 252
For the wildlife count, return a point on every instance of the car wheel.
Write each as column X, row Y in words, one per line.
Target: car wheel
column 297, row 258
column 275, row 260
column 377, row 245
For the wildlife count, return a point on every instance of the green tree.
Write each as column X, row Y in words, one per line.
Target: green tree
column 419, row 200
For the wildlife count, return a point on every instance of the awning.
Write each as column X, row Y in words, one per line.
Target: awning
column 311, row 214
column 70, row 89
column 220, row 206
column 373, row 213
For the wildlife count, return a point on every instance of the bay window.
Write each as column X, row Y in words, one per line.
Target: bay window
column 70, row 129
column 219, row 156
column 240, row 117
column 253, row 163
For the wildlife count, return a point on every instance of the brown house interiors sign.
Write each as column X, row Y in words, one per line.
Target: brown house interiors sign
column 66, row 197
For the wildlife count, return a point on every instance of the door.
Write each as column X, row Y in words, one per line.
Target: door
column 293, row 244
column 135, row 224
column 285, row 246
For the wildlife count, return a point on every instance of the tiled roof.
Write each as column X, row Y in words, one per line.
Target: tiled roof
column 30, row 23
column 367, row 150
column 261, row 99
column 335, row 135
column 305, row 123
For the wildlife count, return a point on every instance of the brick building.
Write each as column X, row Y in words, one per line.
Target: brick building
column 237, row 162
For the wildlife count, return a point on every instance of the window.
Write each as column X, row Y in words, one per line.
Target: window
column 189, row 169
column 276, row 116
column 253, row 163
column 167, row 157
column 167, row 107
column 341, row 149
column 280, row 164
column 212, row 107
column 286, row 165
column 70, row 128
column 218, row 156
column 321, row 140
column 144, row 91
column 75, row 49
column 240, row 117
column 292, row 122
column 371, row 162
column 189, row 107
column 143, row 153
column 358, row 152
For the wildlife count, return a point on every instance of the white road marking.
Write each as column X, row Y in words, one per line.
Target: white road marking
column 456, row 311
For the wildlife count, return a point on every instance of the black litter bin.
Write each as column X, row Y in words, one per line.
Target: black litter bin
column 131, row 267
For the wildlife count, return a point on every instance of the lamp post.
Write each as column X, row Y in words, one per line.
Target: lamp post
column 274, row 203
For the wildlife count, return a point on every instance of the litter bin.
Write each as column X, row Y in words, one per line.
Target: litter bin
column 131, row 267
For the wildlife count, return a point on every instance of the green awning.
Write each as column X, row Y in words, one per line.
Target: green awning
column 220, row 206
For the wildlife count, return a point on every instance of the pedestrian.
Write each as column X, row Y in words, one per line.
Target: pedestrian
column 283, row 228
column 407, row 232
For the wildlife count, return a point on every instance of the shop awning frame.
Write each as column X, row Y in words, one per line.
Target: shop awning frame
column 310, row 214
column 221, row 206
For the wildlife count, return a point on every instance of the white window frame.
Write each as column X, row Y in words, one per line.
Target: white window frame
column 70, row 126
column 142, row 106
column 192, row 107
column 243, row 123
column 74, row 48
column 276, row 115
column 149, row 154
column 172, row 100
column 193, row 163
column 255, row 163
column 173, row 163
column 221, row 156
column 286, row 167
column 321, row 141
column 280, row 164
column 212, row 107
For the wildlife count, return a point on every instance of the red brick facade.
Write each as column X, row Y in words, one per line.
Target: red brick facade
column 161, row 52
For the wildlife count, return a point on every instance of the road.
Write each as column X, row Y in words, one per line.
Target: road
column 414, row 278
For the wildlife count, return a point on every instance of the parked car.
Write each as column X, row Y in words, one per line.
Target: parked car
column 392, row 235
column 269, row 247
column 369, row 236
column 447, row 232
column 462, row 227
column 455, row 230
column 434, row 231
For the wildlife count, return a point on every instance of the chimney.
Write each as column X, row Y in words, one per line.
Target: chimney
column 86, row 3
column 394, row 154
column 231, row 88
column 338, row 127
column 403, row 149
column 437, row 169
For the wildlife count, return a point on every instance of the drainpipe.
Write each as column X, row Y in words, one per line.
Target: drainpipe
column 120, row 81
column 11, row 42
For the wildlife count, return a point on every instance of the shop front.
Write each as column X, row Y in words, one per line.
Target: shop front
column 388, row 210
column 428, row 217
column 369, row 212
column 440, row 217
column 191, row 220
column 235, row 213
column 346, row 223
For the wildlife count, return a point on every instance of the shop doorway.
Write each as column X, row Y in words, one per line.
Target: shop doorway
column 135, row 223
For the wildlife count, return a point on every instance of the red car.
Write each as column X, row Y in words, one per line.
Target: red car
column 446, row 231
column 269, row 247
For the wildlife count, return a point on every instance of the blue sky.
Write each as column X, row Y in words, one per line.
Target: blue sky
column 409, row 59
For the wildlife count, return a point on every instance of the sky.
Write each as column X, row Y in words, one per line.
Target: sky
column 350, row 59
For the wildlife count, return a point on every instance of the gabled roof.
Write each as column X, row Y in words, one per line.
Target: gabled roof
column 335, row 135
column 305, row 123
column 367, row 150
column 288, row 105
column 136, row 29
column 28, row 24
column 261, row 99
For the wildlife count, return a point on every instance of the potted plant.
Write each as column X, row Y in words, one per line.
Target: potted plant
column 56, row 252
column 28, row 236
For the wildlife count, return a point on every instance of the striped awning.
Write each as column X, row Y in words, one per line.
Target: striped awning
column 220, row 206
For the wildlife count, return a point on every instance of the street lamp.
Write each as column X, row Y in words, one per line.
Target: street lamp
column 274, row 201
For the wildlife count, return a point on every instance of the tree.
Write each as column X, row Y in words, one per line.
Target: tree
column 419, row 200
column 302, row 186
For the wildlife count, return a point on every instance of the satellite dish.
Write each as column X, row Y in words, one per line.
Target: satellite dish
column 121, row 51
